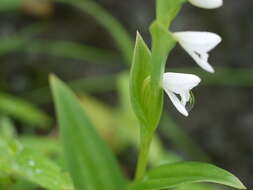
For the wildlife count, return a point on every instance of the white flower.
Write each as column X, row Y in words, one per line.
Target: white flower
column 197, row 45
column 207, row 4
column 180, row 84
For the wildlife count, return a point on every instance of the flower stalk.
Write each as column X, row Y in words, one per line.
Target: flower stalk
column 148, row 77
column 145, row 142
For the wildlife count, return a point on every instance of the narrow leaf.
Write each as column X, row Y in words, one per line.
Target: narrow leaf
column 7, row 128
column 70, row 50
column 22, row 110
column 173, row 175
column 140, row 71
column 91, row 164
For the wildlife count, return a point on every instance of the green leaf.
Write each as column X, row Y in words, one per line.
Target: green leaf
column 19, row 161
column 23, row 111
column 167, row 10
column 199, row 186
column 140, row 89
column 45, row 145
column 140, row 71
column 70, row 50
column 173, row 175
column 7, row 128
column 40, row 170
column 90, row 162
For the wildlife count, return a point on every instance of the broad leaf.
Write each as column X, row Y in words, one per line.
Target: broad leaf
column 173, row 175
column 91, row 164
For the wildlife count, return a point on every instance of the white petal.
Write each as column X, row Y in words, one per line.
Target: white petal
column 176, row 102
column 201, row 59
column 197, row 45
column 198, row 41
column 185, row 97
column 179, row 82
column 207, row 4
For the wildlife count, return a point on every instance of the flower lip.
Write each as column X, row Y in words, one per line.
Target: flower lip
column 180, row 84
column 207, row 4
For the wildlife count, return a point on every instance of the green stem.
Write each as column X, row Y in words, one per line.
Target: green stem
column 146, row 139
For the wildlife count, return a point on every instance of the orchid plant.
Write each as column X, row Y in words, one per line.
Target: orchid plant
column 148, row 74
column 90, row 163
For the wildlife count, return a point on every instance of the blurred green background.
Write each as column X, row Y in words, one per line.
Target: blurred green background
column 88, row 43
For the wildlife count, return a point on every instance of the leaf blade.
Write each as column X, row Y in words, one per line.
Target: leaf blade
column 172, row 175
column 91, row 164
column 23, row 110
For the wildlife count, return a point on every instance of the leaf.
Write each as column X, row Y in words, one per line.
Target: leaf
column 45, row 145
column 23, row 111
column 173, row 175
column 198, row 186
column 140, row 71
column 40, row 170
column 103, row 118
column 90, row 162
column 19, row 161
column 7, row 128
column 70, row 50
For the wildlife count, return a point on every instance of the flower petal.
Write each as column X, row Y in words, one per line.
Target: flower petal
column 176, row 102
column 207, row 4
column 201, row 59
column 197, row 45
column 185, row 97
column 179, row 82
column 198, row 41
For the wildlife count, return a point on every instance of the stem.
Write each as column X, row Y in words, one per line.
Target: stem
column 146, row 139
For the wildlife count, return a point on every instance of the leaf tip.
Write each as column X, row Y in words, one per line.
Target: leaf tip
column 138, row 37
column 241, row 185
column 52, row 77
